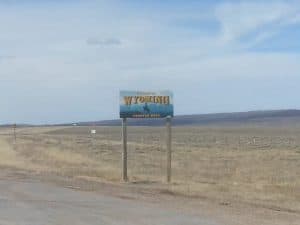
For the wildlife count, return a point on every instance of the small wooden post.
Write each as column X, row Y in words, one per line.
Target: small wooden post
column 124, row 154
column 15, row 134
column 169, row 150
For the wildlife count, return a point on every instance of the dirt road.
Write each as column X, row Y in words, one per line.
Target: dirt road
column 30, row 201
column 35, row 203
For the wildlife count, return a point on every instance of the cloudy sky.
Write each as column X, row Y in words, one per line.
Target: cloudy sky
column 64, row 61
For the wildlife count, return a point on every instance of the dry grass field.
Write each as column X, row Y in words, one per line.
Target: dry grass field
column 258, row 165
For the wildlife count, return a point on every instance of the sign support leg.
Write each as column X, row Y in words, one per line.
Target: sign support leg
column 124, row 154
column 169, row 150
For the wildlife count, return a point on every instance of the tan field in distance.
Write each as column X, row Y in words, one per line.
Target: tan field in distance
column 257, row 165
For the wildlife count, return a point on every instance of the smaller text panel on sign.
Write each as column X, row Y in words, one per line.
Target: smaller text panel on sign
column 140, row 104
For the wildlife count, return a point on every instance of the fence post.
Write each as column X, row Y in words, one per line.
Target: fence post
column 15, row 133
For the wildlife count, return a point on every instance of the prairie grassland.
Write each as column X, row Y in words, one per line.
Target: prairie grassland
column 253, row 164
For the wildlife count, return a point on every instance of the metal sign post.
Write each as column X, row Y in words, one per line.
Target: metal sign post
column 169, row 148
column 124, row 154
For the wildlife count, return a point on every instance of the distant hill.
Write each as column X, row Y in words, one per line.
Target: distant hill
column 289, row 117
column 18, row 125
column 265, row 118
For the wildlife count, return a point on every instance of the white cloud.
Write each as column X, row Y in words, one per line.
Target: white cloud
column 261, row 19
column 5, row 58
column 103, row 42
column 235, row 66
column 69, row 50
